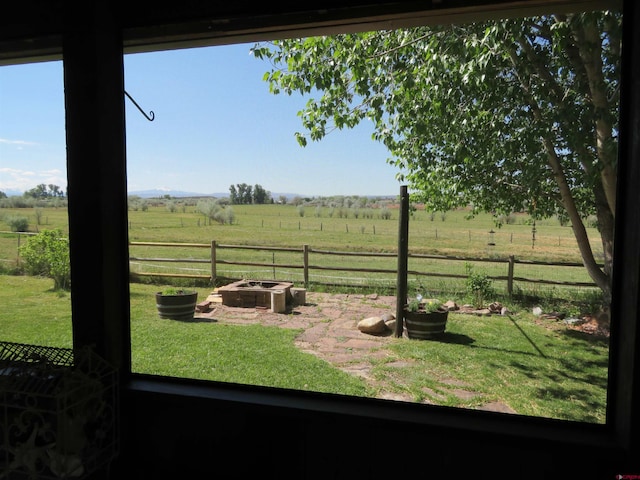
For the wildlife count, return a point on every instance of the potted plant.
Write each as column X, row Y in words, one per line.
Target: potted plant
column 425, row 319
column 176, row 304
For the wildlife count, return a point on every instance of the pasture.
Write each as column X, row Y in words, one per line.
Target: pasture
column 327, row 228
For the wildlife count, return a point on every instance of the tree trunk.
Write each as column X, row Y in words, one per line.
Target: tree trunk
column 600, row 278
column 606, row 224
column 588, row 41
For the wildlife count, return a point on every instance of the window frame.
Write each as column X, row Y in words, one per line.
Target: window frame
column 609, row 435
column 136, row 31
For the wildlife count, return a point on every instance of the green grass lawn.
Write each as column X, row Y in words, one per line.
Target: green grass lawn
column 247, row 354
column 536, row 370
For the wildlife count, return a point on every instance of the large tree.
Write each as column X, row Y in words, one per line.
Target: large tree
column 506, row 116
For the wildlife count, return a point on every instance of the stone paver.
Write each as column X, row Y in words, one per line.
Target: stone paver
column 329, row 331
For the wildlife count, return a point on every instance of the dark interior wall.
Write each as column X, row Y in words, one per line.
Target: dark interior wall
column 168, row 437
column 170, row 430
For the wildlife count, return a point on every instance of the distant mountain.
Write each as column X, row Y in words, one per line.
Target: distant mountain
column 158, row 192
column 154, row 193
column 12, row 193
column 174, row 193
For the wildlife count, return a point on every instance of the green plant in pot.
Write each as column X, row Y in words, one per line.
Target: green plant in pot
column 176, row 303
column 425, row 319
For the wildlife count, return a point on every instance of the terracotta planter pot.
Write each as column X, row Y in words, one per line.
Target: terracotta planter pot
column 425, row 325
column 180, row 306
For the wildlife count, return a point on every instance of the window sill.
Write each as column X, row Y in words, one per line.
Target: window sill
column 545, row 432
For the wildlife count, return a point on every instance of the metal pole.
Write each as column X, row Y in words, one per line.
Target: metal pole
column 214, row 260
column 305, row 260
column 403, row 254
column 512, row 261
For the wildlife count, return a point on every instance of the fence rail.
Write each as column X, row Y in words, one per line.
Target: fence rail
column 307, row 267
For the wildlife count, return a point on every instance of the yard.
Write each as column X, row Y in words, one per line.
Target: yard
column 518, row 363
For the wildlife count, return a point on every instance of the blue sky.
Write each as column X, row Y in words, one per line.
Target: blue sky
column 216, row 124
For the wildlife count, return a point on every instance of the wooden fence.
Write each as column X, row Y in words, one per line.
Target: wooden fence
column 307, row 267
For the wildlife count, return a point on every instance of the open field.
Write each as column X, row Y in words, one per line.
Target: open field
column 450, row 233
column 321, row 228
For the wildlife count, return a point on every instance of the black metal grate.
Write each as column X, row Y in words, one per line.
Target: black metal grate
column 58, row 415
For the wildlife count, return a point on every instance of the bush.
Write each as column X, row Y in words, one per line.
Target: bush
column 17, row 223
column 47, row 254
column 479, row 286
column 385, row 213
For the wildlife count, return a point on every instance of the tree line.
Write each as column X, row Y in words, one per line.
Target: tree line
column 42, row 192
column 244, row 194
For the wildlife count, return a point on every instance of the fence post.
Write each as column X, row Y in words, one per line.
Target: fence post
column 403, row 255
column 305, row 261
column 512, row 261
column 213, row 263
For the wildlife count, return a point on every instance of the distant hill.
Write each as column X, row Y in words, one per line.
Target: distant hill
column 12, row 193
column 154, row 193
column 174, row 193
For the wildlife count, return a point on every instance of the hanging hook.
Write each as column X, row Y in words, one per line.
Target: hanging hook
column 149, row 117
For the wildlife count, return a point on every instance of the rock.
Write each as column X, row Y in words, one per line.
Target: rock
column 451, row 305
column 389, row 320
column 391, row 324
column 574, row 321
column 495, row 307
column 387, row 317
column 372, row 325
column 537, row 311
column 203, row 307
column 373, row 296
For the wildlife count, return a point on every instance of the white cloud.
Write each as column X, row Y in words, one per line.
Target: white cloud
column 23, row 180
column 19, row 143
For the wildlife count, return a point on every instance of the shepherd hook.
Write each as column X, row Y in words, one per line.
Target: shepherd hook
column 149, row 117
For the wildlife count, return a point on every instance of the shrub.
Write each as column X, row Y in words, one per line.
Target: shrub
column 479, row 286
column 385, row 213
column 230, row 216
column 17, row 223
column 47, row 254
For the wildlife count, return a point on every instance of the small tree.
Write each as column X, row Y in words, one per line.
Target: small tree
column 47, row 254
column 479, row 286
column 385, row 213
column 17, row 223
column 229, row 215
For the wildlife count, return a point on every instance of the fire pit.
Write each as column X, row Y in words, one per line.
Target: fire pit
column 272, row 294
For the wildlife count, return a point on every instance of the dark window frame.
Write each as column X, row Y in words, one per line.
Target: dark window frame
column 108, row 330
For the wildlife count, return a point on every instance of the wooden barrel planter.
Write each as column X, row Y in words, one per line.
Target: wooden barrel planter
column 178, row 306
column 423, row 325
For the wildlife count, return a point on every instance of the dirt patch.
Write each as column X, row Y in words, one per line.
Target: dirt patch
column 329, row 331
column 597, row 325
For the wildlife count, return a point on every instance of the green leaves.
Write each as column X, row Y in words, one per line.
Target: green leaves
column 47, row 254
column 477, row 114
